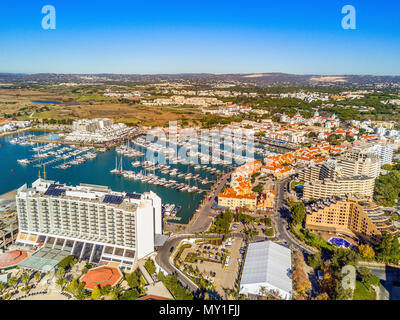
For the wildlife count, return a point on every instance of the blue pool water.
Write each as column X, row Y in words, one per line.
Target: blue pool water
column 341, row 243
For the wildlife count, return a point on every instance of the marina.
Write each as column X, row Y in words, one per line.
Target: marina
column 22, row 161
column 134, row 166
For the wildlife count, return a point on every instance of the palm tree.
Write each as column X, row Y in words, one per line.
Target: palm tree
column 37, row 276
column 115, row 291
column 12, row 281
column 25, row 278
column 60, row 272
column 61, row 282
column 2, row 287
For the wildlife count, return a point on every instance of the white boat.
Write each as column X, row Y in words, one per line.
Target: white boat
column 24, row 161
column 136, row 164
column 193, row 189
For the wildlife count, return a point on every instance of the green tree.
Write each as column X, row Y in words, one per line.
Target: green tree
column 96, row 294
column 37, row 276
column 341, row 293
column 395, row 250
column 258, row 189
column 366, row 252
column 25, row 278
column 60, row 272
column 315, row 261
column 2, row 287
column 132, row 294
column 12, row 281
column 388, row 249
column 387, row 188
column 298, row 213
column 60, row 282
column 73, row 286
column 150, row 266
column 115, row 292
column 133, row 279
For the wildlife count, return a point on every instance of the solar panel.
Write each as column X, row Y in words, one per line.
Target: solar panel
column 54, row 191
column 136, row 196
column 113, row 199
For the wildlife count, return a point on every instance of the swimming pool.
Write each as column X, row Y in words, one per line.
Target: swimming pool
column 340, row 242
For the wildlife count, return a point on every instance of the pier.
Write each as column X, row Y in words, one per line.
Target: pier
column 276, row 143
column 108, row 145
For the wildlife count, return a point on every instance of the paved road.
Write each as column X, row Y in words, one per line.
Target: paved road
column 282, row 217
column 390, row 278
column 163, row 260
column 203, row 222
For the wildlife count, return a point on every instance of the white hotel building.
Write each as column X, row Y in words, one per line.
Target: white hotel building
column 91, row 222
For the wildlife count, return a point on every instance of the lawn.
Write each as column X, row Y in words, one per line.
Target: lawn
column 362, row 293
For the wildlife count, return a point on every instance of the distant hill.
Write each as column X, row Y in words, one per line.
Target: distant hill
column 252, row 79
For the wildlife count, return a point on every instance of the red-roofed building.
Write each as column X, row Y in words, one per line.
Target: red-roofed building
column 11, row 259
column 101, row 276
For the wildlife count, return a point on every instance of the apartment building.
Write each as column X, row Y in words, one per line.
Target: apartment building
column 358, row 218
column 356, row 185
column 327, row 170
column 90, row 221
column 382, row 150
column 352, row 173
column 230, row 199
column 355, row 163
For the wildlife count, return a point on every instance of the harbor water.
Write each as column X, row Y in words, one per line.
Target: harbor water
column 94, row 171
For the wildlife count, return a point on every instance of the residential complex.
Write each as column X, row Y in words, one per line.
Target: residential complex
column 383, row 150
column 97, row 131
column 88, row 219
column 329, row 122
column 357, row 185
column 358, row 218
column 351, row 173
column 230, row 199
column 240, row 194
column 354, row 163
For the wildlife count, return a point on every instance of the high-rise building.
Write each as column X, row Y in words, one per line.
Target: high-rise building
column 357, row 185
column 89, row 221
column 355, row 163
column 358, row 218
column 353, row 173
column 382, row 150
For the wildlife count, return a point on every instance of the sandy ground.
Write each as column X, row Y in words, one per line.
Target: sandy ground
column 48, row 296
column 9, row 195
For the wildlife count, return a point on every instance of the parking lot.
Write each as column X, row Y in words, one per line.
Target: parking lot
column 257, row 228
column 216, row 263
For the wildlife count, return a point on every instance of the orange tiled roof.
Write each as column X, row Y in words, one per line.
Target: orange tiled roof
column 101, row 276
column 12, row 258
column 230, row 193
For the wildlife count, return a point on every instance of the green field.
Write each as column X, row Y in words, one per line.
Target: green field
column 362, row 293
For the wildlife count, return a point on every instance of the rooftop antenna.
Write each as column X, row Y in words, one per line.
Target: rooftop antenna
column 39, row 174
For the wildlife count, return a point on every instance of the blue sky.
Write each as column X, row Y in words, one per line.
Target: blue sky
column 192, row 36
